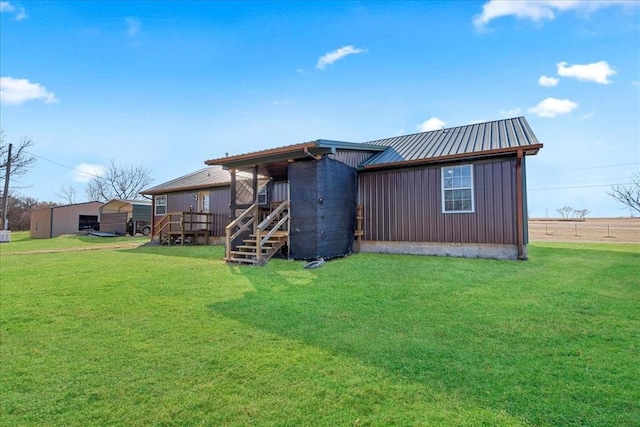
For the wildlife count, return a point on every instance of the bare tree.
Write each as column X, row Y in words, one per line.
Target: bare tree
column 565, row 212
column 581, row 213
column 118, row 182
column 628, row 195
column 21, row 160
column 68, row 194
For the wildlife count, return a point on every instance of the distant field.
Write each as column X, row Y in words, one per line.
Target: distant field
column 614, row 230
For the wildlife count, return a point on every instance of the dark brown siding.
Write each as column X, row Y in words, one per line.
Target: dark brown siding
column 406, row 206
column 219, row 199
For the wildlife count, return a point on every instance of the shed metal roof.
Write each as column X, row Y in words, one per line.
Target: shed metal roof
column 214, row 176
column 496, row 137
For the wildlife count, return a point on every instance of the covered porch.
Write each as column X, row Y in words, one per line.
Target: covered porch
column 296, row 202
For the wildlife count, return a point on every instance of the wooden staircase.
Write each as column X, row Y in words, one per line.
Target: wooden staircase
column 247, row 253
column 266, row 239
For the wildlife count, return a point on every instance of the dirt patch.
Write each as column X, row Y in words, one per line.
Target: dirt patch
column 615, row 230
column 87, row 248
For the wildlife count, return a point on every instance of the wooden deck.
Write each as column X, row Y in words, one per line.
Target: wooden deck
column 184, row 228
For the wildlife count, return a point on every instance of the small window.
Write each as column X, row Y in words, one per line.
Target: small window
column 262, row 196
column 161, row 205
column 457, row 189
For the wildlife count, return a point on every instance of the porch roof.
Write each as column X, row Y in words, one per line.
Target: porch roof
column 273, row 162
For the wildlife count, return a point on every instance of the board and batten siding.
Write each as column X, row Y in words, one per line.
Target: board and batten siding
column 406, row 206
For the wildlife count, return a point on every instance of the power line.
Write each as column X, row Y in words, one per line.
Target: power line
column 580, row 186
column 594, row 167
column 61, row 165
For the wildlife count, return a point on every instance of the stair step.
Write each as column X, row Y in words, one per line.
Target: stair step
column 247, row 254
column 241, row 260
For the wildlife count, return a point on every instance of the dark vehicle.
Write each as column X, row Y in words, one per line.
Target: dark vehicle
column 142, row 227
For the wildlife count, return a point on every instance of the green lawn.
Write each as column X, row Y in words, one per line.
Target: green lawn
column 173, row 336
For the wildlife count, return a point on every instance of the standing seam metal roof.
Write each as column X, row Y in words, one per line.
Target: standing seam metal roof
column 499, row 135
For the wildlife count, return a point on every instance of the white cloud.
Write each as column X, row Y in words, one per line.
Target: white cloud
column 540, row 10
column 85, row 172
column 7, row 7
column 284, row 102
column 548, row 81
column 433, row 123
column 18, row 91
column 551, row 107
column 133, row 26
column 511, row 113
column 337, row 54
column 635, row 83
column 597, row 72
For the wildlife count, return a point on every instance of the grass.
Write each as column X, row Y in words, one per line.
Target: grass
column 172, row 335
column 21, row 242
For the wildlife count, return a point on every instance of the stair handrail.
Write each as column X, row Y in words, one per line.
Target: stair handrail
column 273, row 230
column 253, row 209
column 260, row 240
column 277, row 211
column 161, row 225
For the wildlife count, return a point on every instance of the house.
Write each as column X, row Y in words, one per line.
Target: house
column 193, row 205
column 457, row 191
column 124, row 216
column 54, row 221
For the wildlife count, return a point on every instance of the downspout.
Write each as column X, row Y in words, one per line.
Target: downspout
column 519, row 206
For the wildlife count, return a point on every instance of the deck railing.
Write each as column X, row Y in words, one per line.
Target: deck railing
column 183, row 224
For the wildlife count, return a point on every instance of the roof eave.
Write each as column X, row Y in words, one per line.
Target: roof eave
column 256, row 157
column 528, row 150
column 155, row 192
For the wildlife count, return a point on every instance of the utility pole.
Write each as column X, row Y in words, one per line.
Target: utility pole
column 5, row 195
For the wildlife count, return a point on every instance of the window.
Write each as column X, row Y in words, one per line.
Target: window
column 262, row 195
column 161, row 205
column 457, row 189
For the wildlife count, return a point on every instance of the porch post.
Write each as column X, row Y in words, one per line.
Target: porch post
column 254, row 183
column 232, row 201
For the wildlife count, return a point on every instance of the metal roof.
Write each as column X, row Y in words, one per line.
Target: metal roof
column 213, row 176
column 496, row 137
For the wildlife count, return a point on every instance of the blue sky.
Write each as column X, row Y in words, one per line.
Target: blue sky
column 168, row 85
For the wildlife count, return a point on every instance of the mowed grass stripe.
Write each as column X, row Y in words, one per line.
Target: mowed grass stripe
column 158, row 335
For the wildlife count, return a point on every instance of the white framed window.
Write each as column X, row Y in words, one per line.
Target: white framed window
column 160, row 205
column 457, row 189
column 262, row 195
